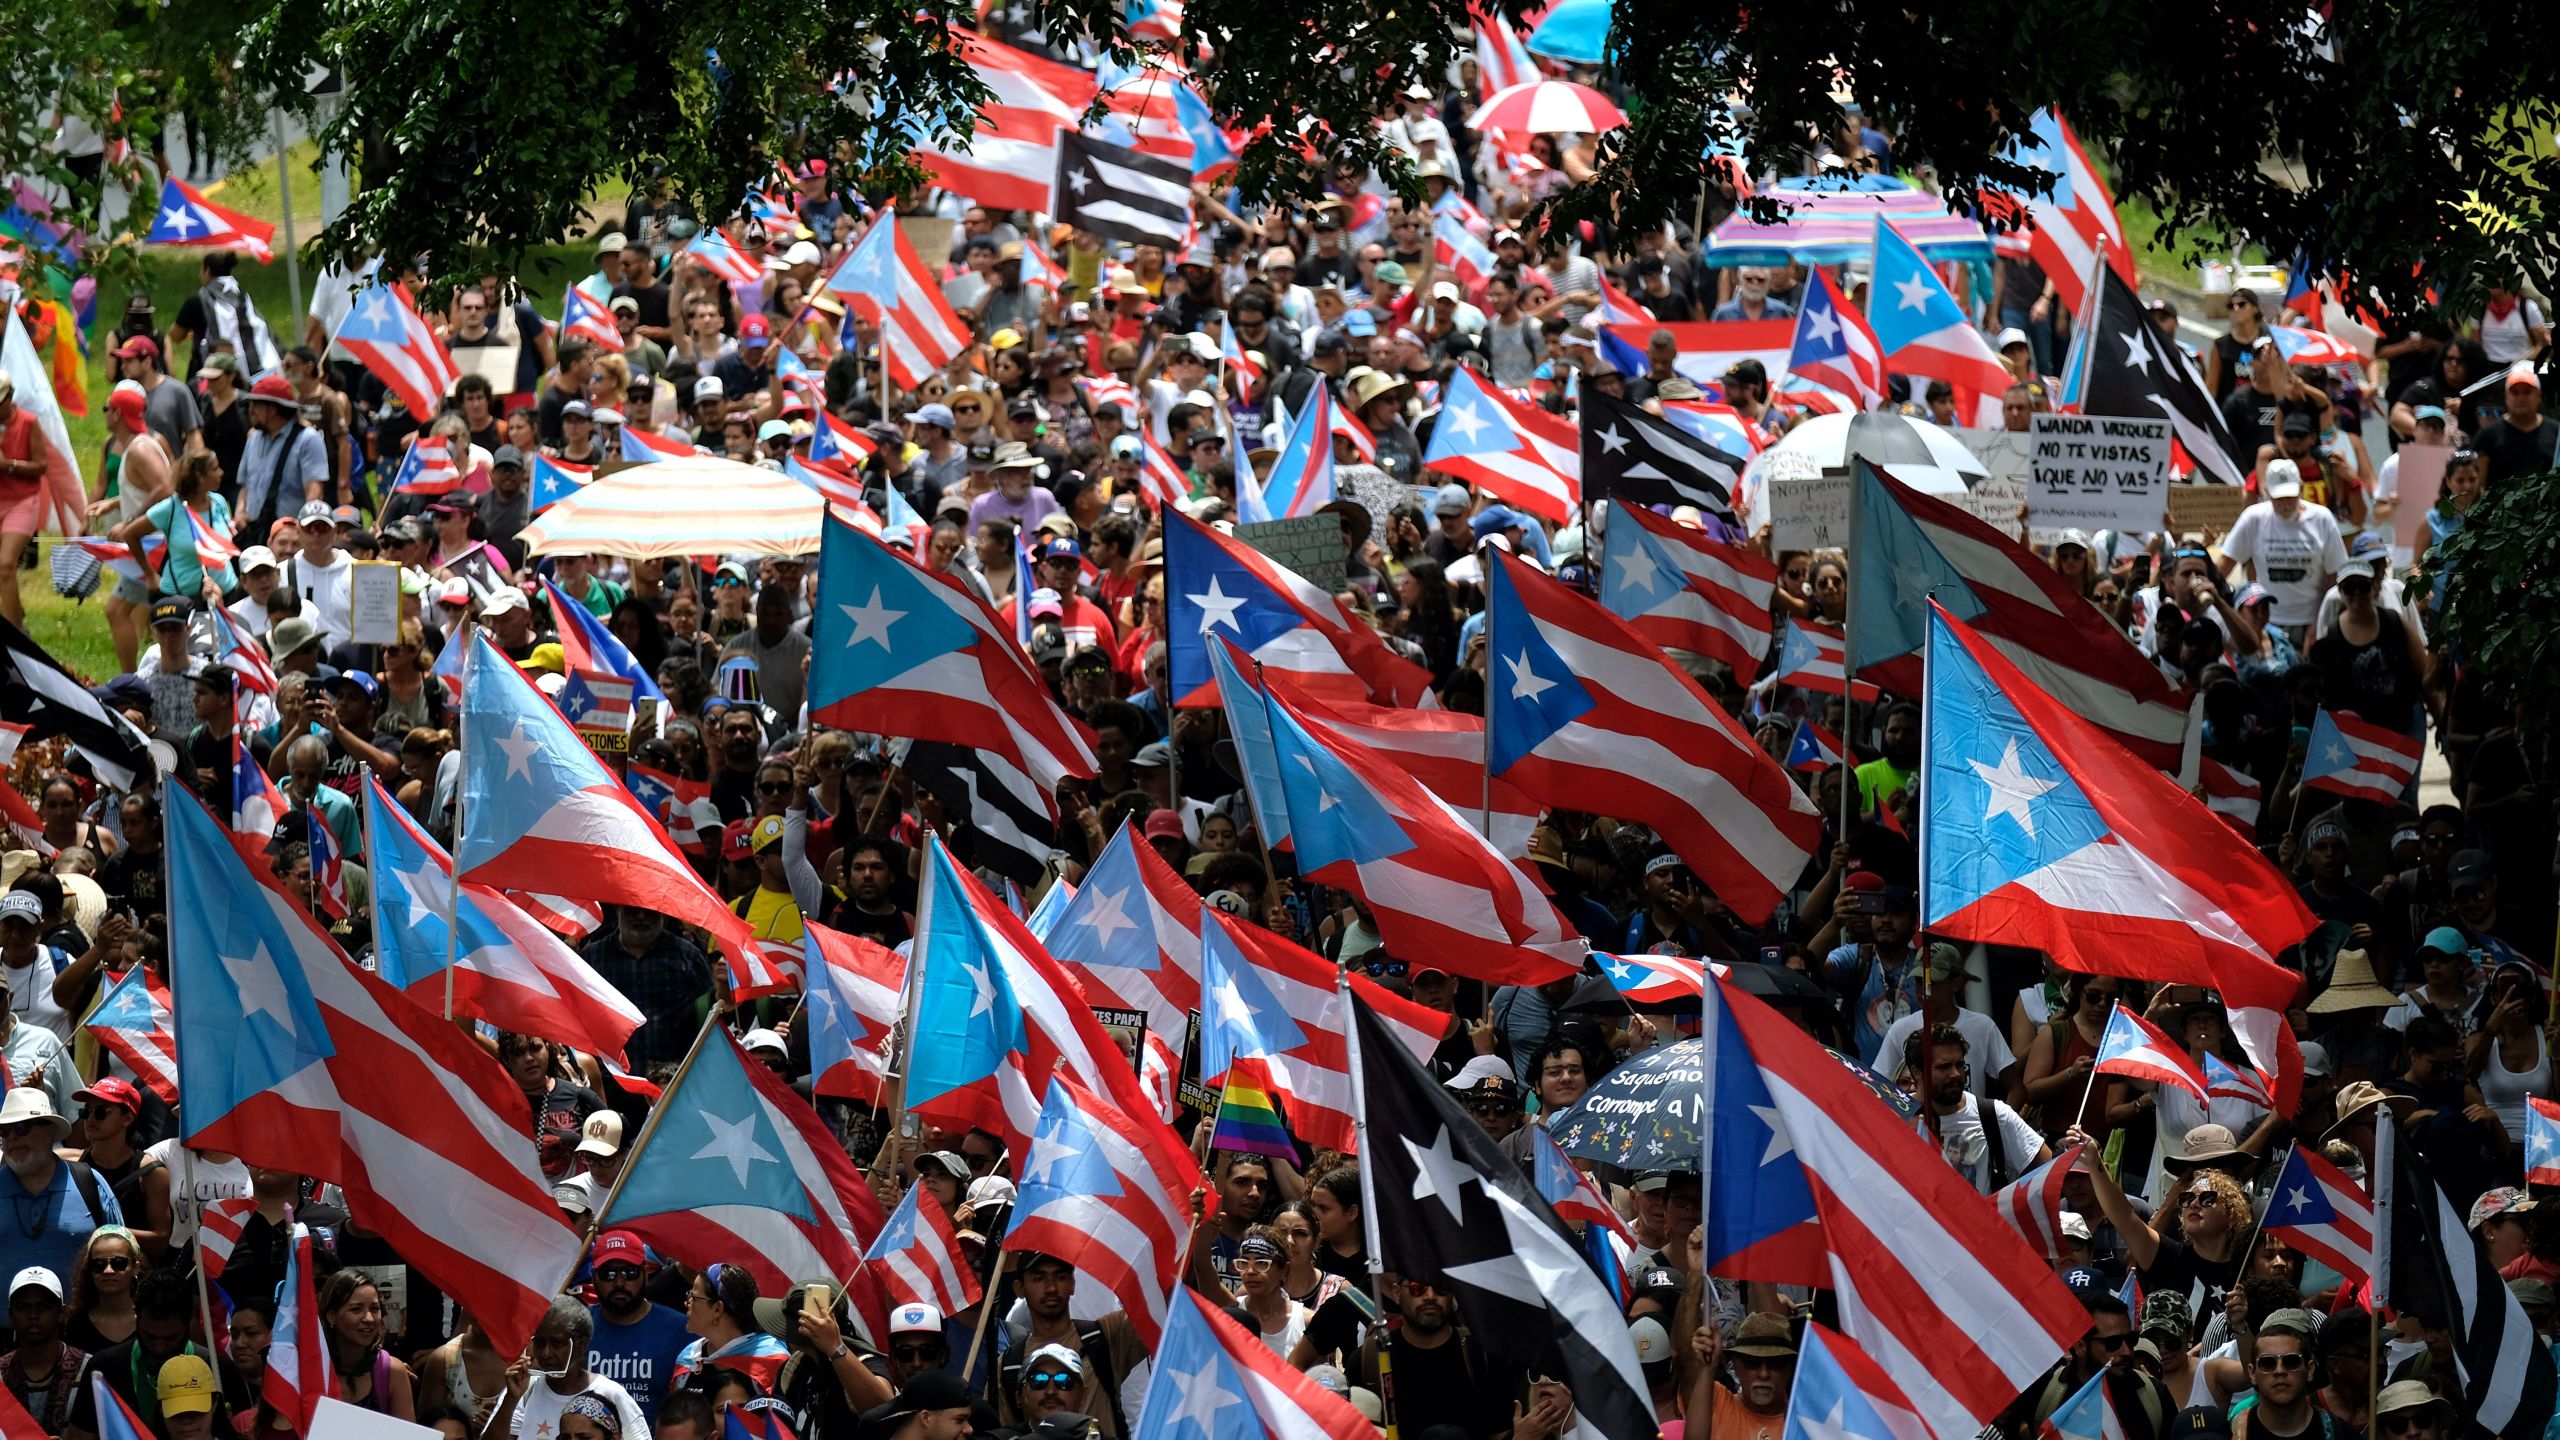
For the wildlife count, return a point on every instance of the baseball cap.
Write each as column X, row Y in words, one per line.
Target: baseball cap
column 619, row 1245
column 2011, row 336
column 1453, row 499
column 761, row 1038
column 186, row 1386
column 1044, row 601
column 317, row 512
column 915, row 1319
column 113, row 1092
column 735, row 844
column 40, row 1278
column 948, row 1162
column 1446, row 291
column 141, row 346
column 766, row 834
column 2292, row 1320
column 2281, row 480
column 256, row 557
column 2470, row 868
column 2520, row 373
column 709, row 388
column 936, row 413
column 755, row 332
column 621, row 304
column 19, row 905
column 773, row 430
column 2200, row 1422
column 172, row 610
column 2424, row 413
column 505, row 600
column 601, row 1134
column 1154, row 755
column 1163, row 825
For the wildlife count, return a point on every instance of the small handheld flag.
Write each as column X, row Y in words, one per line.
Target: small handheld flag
column 1248, row 1118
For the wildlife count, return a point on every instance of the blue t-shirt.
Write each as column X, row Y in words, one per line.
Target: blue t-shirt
column 48, row 1229
column 640, row 1356
column 181, row 573
column 1875, row 1009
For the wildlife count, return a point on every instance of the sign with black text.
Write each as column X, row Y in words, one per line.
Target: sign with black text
column 2098, row 472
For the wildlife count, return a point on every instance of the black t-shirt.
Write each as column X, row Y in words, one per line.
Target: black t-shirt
column 652, row 302
column 2469, row 411
column 2251, row 417
column 133, row 880
column 226, row 434
column 2204, row 1282
column 556, row 1121
column 2512, row 452
column 1447, row 1384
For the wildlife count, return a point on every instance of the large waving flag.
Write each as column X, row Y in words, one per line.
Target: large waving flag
column 587, row 643
column 1515, row 452
column 1302, row 478
column 291, row 1057
column 1442, row 749
column 2027, row 612
column 1356, row 821
column 1585, row 714
column 1109, row 1192
column 996, row 1016
column 883, row 281
column 1219, row 588
column 133, row 1024
column 1812, row 1180
column 917, row 1260
column 507, row 968
column 736, row 1169
column 1682, row 590
column 1218, row 1381
column 2134, row 1047
column 1576, row 1197
column 385, row 333
column 248, row 663
column 856, row 993
column 185, row 217
column 1921, row 327
column 1834, row 345
column 1813, row 748
column 2046, row 833
column 899, row 650
column 1131, row 937
column 1265, row 999
column 2320, row 1210
column 540, row 812
column 2075, row 219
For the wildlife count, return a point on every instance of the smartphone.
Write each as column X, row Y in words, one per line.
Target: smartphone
column 2141, row 571
column 817, row 1299
column 1773, row 955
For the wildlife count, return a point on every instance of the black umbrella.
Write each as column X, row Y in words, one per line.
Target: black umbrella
column 1778, row 983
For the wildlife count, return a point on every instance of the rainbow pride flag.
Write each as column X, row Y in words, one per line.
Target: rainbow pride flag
column 1248, row 1118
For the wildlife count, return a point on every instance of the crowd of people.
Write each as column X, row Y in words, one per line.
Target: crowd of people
column 2421, row 991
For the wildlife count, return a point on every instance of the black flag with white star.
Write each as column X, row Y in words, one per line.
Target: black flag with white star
column 1638, row 458
column 37, row 692
column 1003, row 820
column 1450, row 1210
column 1114, row 191
column 2427, row 1264
column 2131, row 371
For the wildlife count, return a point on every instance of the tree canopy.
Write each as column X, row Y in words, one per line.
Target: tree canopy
column 2408, row 146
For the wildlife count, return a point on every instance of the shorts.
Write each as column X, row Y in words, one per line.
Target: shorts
column 132, row 592
column 22, row 514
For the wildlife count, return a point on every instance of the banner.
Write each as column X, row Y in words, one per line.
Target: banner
column 2098, row 472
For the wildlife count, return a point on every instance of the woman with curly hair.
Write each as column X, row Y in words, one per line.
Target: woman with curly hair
column 102, row 1285
column 2197, row 1242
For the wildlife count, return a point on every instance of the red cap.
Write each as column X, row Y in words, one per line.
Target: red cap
column 130, row 403
column 1164, row 825
column 1864, row 880
column 755, row 326
column 139, row 345
column 273, row 387
column 737, row 841
column 619, row 1245
column 114, row 1092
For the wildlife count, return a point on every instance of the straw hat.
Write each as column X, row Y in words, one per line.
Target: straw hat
column 2352, row 987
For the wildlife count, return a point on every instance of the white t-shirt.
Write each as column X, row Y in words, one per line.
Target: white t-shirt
column 1985, row 1047
column 2392, row 596
column 538, row 1414
column 195, row 1181
column 323, row 589
column 1961, row 1136
column 31, row 992
column 2511, row 339
column 2289, row 557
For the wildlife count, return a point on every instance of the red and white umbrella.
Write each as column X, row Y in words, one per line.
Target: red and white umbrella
column 1547, row 107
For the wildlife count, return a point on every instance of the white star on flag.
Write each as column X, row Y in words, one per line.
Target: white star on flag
column 1826, row 326
column 2012, row 788
column 1635, row 566
column 734, row 1141
column 1203, row 1400
column 1110, row 914
column 1526, row 683
column 2137, row 354
column 1439, row 1175
column 1612, row 441
column 520, row 748
column 1914, row 293
column 1217, row 607
column 871, row 620
column 261, row 987
column 179, row 218
column 1467, row 422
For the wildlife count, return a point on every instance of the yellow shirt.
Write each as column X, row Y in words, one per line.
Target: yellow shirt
column 774, row 915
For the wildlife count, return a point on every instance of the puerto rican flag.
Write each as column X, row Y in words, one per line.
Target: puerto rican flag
column 1704, row 349
column 2032, row 1204
column 2074, row 220
column 1007, row 164
column 219, row 1226
column 555, row 481
column 2230, row 794
column 1574, row 1196
column 1443, row 750
column 2136, row 1048
column 328, row 867
column 884, row 281
column 248, row 662
column 2541, row 1141
column 385, row 333
column 256, row 805
column 12, row 734
column 426, row 467
column 642, row 447
column 2247, row 1082
column 1834, row 346
column 841, row 489
column 684, row 807
column 596, row 700
column 2303, row 345
column 132, row 1024
column 1460, row 251
column 1922, row 328
column 1153, row 20
column 1213, row 1373
column 2316, row 1208
column 917, row 1260
column 1718, row 424
column 1161, row 478
column 1242, row 368
column 1682, row 590
column 587, row 320
column 1515, row 452
column 767, row 967
column 298, row 1370
column 1219, row 588
column 1130, row 935
column 185, row 217
column 1654, row 979
column 588, row 644
column 2356, row 758
column 2090, row 1414
column 856, row 996
column 1583, row 712
column 833, row 442
column 1356, row 820
column 1301, row 478
column 1617, row 307
column 213, row 547
column 721, row 256
column 1813, row 748
column 1502, row 57
column 1107, row 389
column 1109, row 1192
column 1809, row 658
column 1264, row 999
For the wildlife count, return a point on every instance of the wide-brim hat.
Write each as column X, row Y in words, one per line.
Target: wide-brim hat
column 25, row 1103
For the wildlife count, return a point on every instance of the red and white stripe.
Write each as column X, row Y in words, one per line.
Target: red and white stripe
column 1130, row 935
column 1444, row 750
column 1502, row 58
column 1313, row 1079
column 213, row 547
column 1133, row 1240
column 12, row 734
column 576, row 919
column 2225, row 1081
column 2383, row 763
column 1654, row 748
column 721, row 256
column 2344, row 1242
column 1655, row 979
column 418, row 369
column 2140, row 1050
column 855, row 1001
column 884, row 281
column 218, row 1230
column 1008, row 162
column 2231, row 795
column 1722, row 609
column 918, row 1260
column 1162, row 478
column 2032, row 1204
column 1817, row 668
column 150, row 1053
column 1540, row 471
column 766, row 967
column 298, row 1375
column 1333, row 654
column 1110, row 390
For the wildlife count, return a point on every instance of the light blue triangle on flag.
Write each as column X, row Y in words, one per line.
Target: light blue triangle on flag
column 1249, row 723
column 876, row 618
column 1531, row 692
column 1333, row 814
column 1238, row 1013
column 1637, row 572
column 520, row 759
column 1899, row 573
column 250, row 1022
column 966, row 1018
column 1996, row 803
column 1108, row 921
column 1906, row 299
column 1067, row 1161
column 715, row 1144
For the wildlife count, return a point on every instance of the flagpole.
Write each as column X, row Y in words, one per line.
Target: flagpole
column 2259, row 1229
column 988, row 1304
column 1360, row 1129
column 204, row 1294
column 453, row 899
column 1849, row 655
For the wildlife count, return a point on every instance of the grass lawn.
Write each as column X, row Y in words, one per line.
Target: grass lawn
column 76, row 632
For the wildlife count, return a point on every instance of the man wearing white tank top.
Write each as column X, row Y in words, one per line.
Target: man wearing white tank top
column 177, row 1183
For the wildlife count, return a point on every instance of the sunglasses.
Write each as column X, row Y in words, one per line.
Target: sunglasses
column 1049, row 1380
column 1493, row 1107
column 916, row 1351
column 2282, row 1364
column 2111, row 1342
column 773, row 787
column 110, row 1265
column 618, row 1274
column 2403, row 1424
column 100, row 1112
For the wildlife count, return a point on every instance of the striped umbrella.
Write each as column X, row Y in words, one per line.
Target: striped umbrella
column 690, row 505
column 1830, row 221
column 1547, row 107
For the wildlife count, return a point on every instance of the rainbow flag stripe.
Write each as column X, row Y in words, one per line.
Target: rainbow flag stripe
column 1248, row 1118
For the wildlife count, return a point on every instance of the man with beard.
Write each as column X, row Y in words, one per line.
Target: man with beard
column 636, row 1340
column 2141, row 1403
column 1984, row 1139
column 868, row 910
column 664, row 974
column 1435, row 1374
column 1764, row 1372
column 1109, row 1347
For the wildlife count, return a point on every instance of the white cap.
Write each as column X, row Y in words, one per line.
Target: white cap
column 764, row 1039
column 708, row 387
column 801, row 253
column 551, row 683
column 915, row 1319
column 1446, row 291
column 2281, row 480
column 2074, row 1227
column 1479, row 1070
column 1652, row 1342
column 40, row 1278
column 602, row 1134
column 257, row 556
column 2011, row 336
column 608, row 416
column 506, row 599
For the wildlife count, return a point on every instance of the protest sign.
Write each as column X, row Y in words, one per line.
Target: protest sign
column 373, row 603
column 2098, row 472
column 2421, row 484
column 1810, row 514
column 2205, row 509
column 1311, row 545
